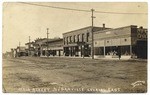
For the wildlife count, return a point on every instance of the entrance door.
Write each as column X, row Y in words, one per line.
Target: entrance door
column 142, row 49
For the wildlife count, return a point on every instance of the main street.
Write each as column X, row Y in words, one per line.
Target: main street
column 73, row 75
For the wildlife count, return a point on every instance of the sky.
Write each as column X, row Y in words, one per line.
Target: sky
column 19, row 21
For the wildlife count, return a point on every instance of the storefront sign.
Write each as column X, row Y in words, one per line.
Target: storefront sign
column 142, row 34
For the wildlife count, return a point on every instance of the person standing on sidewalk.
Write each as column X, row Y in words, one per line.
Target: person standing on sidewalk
column 119, row 52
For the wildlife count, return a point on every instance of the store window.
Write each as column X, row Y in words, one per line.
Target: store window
column 111, row 50
column 125, row 50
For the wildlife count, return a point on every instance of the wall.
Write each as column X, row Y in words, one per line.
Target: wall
column 113, row 37
column 76, row 33
column 80, row 32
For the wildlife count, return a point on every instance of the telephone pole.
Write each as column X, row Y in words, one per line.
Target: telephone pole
column 19, row 46
column 47, row 41
column 29, row 46
column 92, row 45
column 18, row 52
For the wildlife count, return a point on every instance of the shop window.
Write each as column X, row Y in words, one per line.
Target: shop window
column 125, row 50
column 111, row 50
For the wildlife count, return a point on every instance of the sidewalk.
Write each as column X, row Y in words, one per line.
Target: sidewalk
column 97, row 58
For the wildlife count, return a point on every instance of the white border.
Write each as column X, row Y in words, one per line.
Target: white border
column 72, row 1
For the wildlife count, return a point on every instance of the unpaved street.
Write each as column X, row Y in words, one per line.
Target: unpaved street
column 28, row 74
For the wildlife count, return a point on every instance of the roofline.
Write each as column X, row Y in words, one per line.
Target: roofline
column 55, row 40
column 82, row 29
column 115, row 28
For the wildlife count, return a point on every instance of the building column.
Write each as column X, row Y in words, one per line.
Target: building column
column 69, row 51
column 74, row 52
column 104, row 48
column 58, row 52
column 41, row 50
column 64, row 51
column 83, row 51
column 131, row 50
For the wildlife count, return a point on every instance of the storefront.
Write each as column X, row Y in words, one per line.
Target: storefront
column 77, row 49
column 128, row 42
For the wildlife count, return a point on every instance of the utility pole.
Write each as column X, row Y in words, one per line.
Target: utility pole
column 29, row 46
column 92, row 45
column 18, row 53
column 19, row 44
column 47, row 41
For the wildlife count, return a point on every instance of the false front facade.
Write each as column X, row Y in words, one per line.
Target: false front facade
column 129, row 41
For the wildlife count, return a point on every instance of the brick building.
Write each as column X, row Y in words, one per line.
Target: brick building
column 130, row 41
column 78, row 42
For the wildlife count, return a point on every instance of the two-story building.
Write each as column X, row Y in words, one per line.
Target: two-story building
column 78, row 42
column 130, row 41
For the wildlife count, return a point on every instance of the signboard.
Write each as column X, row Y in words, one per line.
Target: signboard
column 142, row 34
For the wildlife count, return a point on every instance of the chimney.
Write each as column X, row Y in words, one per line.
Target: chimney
column 103, row 25
column 141, row 27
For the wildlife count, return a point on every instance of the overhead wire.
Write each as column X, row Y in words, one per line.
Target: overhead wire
column 64, row 8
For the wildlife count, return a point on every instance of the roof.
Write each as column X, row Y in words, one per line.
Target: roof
column 21, row 47
column 94, row 29
column 116, row 28
column 30, row 43
column 55, row 40
column 41, row 40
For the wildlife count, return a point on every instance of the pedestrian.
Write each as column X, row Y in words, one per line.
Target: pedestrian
column 119, row 55
column 119, row 52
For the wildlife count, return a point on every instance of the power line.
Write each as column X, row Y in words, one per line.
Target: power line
column 55, row 7
column 121, row 13
column 82, row 9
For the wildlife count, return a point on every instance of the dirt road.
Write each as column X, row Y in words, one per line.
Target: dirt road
column 34, row 74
